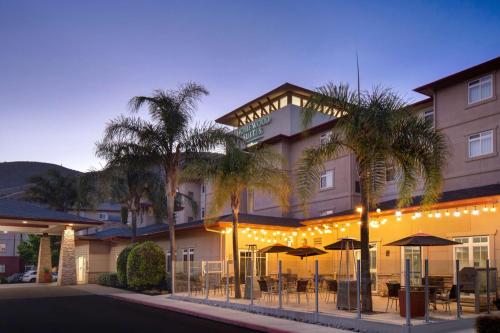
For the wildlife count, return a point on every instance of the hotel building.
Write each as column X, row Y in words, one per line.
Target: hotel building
column 464, row 106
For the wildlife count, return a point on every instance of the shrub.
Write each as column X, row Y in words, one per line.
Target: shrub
column 109, row 280
column 121, row 264
column 488, row 324
column 146, row 266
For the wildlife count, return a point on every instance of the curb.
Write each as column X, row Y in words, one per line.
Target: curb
column 235, row 322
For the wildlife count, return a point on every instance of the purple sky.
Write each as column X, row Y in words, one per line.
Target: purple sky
column 67, row 67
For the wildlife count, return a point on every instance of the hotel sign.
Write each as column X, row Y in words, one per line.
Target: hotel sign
column 254, row 130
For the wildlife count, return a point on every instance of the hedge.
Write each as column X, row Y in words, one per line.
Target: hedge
column 109, row 280
column 488, row 324
column 146, row 266
column 121, row 265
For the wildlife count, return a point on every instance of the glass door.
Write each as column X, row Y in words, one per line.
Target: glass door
column 373, row 264
column 260, row 264
column 413, row 253
column 472, row 252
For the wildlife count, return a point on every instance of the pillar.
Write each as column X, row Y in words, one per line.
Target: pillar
column 44, row 260
column 67, row 262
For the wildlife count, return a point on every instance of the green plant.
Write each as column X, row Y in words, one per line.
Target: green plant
column 380, row 131
column 145, row 266
column 121, row 265
column 3, row 280
column 256, row 168
column 166, row 139
column 109, row 280
column 488, row 324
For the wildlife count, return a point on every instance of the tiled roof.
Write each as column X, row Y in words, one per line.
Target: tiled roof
column 22, row 210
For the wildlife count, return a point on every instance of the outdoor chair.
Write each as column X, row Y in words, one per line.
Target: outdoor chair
column 392, row 294
column 331, row 288
column 266, row 289
column 447, row 297
column 301, row 289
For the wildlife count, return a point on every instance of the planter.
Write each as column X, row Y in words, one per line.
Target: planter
column 47, row 277
column 417, row 303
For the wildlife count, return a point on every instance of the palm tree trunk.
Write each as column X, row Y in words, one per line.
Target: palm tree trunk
column 171, row 234
column 135, row 208
column 236, row 256
column 366, row 293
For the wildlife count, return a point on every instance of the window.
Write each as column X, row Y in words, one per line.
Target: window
column 429, row 116
column 326, row 180
column 187, row 255
column 472, row 252
column 203, row 188
column 2, row 268
column 203, row 212
column 325, row 137
column 481, row 89
column 190, row 219
column 102, row 216
column 390, row 173
column 318, row 242
column 326, row 212
column 481, row 144
column 3, row 247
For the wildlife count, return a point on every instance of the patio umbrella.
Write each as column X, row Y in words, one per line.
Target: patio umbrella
column 276, row 248
column 306, row 251
column 421, row 239
column 342, row 244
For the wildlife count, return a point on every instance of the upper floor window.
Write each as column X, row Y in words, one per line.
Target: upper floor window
column 481, row 144
column 390, row 173
column 3, row 247
column 481, row 89
column 203, row 188
column 190, row 195
column 2, row 268
column 429, row 116
column 326, row 180
column 203, row 212
column 102, row 216
column 325, row 137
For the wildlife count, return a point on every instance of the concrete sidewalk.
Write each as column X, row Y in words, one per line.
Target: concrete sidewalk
column 228, row 316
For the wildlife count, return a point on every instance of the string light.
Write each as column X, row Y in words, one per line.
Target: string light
column 493, row 208
column 456, row 213
column 418, row 215
column 466, row 211
column 378, row 210
column 398, row 219
column 359, row 209
column 475, row 211
column 437, row 214
column 398, row 213
column 447, row 213
column 430, row 215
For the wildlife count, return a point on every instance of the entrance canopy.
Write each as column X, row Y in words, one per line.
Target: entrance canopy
column 24, row 217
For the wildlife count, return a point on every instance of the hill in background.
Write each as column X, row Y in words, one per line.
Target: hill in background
column 14, row 175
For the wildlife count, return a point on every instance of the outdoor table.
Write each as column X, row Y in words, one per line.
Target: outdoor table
column 417, row 302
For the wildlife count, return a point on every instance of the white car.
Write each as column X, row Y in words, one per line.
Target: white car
column 29, row 276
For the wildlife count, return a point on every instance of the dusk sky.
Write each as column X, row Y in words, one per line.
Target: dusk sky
column 67, row 67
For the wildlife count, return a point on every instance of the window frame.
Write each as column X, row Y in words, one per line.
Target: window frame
column 3, row 268
column 324, row 174
column 325, row 137
column 3, row 247
column 470, row 244
column 478, row 82
column 480, row 138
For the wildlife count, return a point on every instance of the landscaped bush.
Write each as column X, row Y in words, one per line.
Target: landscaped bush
column 488, row 324
column 146, row 266
column 121, row 265
column 109, row 280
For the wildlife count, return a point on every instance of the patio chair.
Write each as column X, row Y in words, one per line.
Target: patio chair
column 266, row 289
column 331, row 288
column 301, row 289
column 392, row 294
column 447, row 297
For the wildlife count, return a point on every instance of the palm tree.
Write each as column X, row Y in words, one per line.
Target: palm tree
column 380, row 130
column 232, row 173
column 62, row 192
column 127, row 176
column 167, row 139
